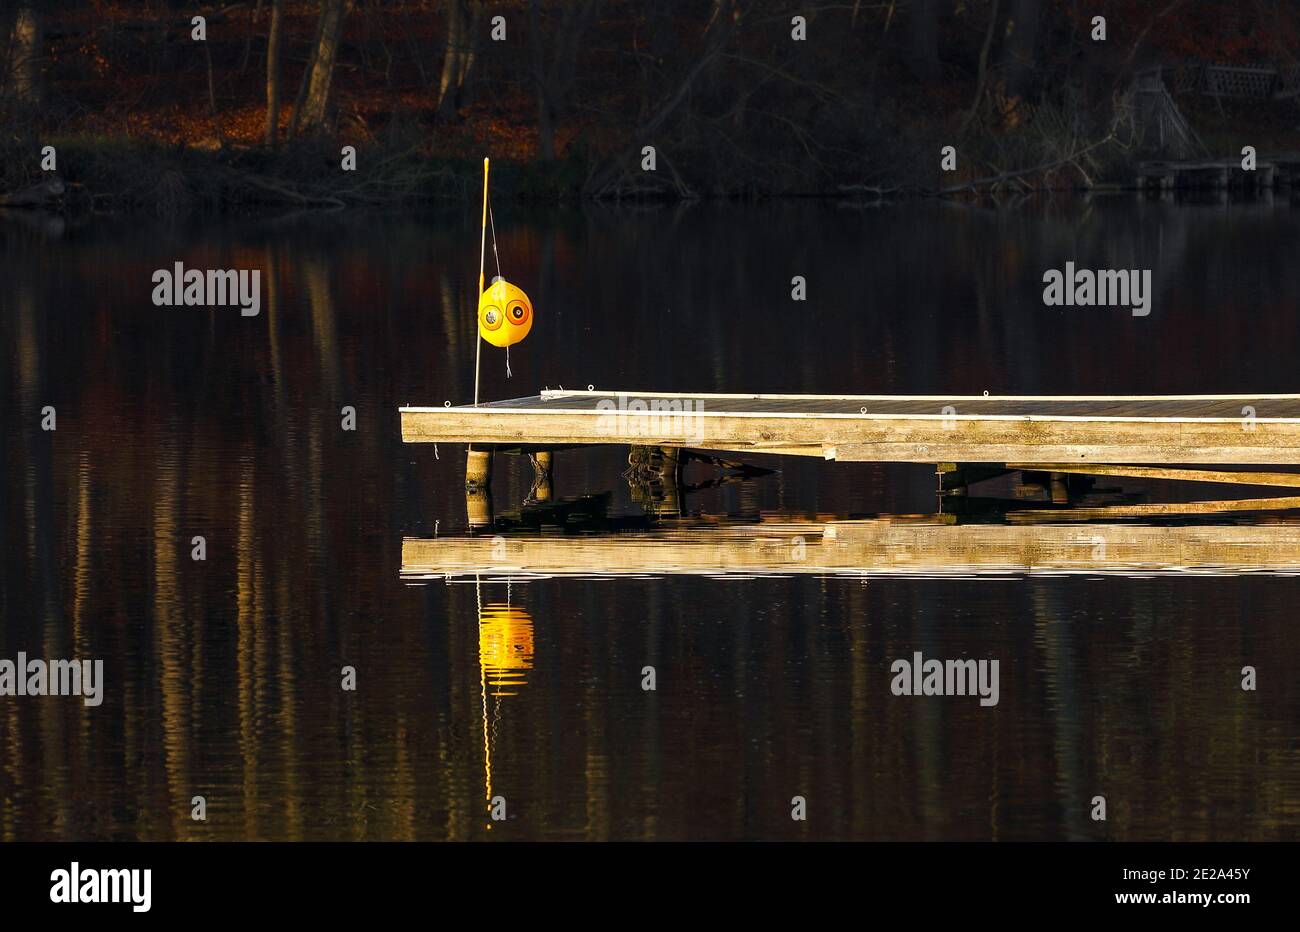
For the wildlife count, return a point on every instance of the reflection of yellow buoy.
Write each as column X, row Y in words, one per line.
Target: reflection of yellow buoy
column 505, row 315
column 505, row 647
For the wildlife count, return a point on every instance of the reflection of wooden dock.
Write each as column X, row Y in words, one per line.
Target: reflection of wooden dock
column 876, row 547
column 1133, row 430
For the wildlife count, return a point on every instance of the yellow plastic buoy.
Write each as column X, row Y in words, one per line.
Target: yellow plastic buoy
column 505, row 315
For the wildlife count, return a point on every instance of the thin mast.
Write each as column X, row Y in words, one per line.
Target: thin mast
column 482, row 247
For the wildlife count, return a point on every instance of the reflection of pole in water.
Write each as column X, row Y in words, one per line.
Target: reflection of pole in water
column 482, row 682
column 505, row 654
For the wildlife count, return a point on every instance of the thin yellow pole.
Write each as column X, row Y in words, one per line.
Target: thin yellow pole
column 482, row 247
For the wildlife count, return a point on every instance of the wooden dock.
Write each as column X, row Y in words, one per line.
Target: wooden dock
column 898, row 546
column 1281, row 172
column 1135, row 430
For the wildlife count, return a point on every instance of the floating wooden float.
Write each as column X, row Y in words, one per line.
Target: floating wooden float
column 1279, row 171
column 1135, row 430
column 923, row 545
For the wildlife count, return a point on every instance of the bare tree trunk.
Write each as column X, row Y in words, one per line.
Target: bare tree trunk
column 662, row 46
column 248, row 43
column 469, row 52
column 724, row 20
column 212, row 98
column 982, row 74
column 27, row 51
column 6, row 50
column 923, row 40
column 541, row 78
column 553, row 73
column 449, row 83
column 295, row 117
column 1018, row 48
column 273, row 73
column 315, row 104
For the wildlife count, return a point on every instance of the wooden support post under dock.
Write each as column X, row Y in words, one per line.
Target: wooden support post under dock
column 543, row 470
column 654, row 478
column 478, row 487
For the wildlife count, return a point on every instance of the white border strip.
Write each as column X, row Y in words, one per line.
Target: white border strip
column 566, row 393
column 848, row 416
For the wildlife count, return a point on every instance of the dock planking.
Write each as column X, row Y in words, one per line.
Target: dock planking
column 1242, row 430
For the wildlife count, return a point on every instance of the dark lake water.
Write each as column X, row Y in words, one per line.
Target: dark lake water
column 222, row 678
